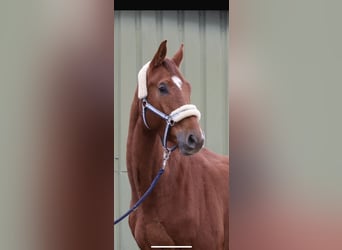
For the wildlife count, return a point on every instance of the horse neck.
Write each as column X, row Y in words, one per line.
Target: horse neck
column 144, row 153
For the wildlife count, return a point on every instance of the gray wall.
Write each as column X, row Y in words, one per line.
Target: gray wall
column 137, row 35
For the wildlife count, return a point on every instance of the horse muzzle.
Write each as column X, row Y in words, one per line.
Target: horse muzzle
column 190, row 143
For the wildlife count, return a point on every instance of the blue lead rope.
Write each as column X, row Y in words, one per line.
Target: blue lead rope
column 154, row 182
column 167, row 153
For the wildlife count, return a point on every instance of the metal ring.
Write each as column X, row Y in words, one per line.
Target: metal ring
column 144, row 102
column 171, row 122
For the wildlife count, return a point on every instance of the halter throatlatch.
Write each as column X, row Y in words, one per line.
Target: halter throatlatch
column 177, row 115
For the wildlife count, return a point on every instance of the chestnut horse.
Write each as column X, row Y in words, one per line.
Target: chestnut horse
column 189, row 204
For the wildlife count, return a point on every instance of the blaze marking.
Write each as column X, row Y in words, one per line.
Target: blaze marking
column 177, row 81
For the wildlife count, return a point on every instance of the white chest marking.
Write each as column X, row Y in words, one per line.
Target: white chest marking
column 177, row 81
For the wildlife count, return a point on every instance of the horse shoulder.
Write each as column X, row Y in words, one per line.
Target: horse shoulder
column 216, row 163
column 217, row 174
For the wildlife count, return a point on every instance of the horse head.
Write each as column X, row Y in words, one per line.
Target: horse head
column 165, row 96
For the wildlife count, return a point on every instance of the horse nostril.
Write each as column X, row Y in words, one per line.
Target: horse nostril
column 192, row 141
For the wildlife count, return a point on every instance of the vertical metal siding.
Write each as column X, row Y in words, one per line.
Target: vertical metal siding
column 137, row 35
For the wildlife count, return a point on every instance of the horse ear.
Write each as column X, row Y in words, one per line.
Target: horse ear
column 160, row 55
column 177, row 58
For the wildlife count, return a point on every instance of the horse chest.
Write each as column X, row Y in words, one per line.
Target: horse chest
column 184, row 224
column 177, row 232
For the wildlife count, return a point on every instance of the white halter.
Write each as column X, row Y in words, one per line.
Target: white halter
column 177, row 115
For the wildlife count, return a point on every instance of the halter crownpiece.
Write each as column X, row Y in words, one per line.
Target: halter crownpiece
column 142, row 84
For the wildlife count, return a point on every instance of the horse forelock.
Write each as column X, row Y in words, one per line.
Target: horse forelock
column 170, row 67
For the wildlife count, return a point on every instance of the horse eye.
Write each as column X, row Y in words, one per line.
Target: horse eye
column 163, row 89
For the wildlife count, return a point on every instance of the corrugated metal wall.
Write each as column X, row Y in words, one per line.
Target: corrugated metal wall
column 137, row 35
